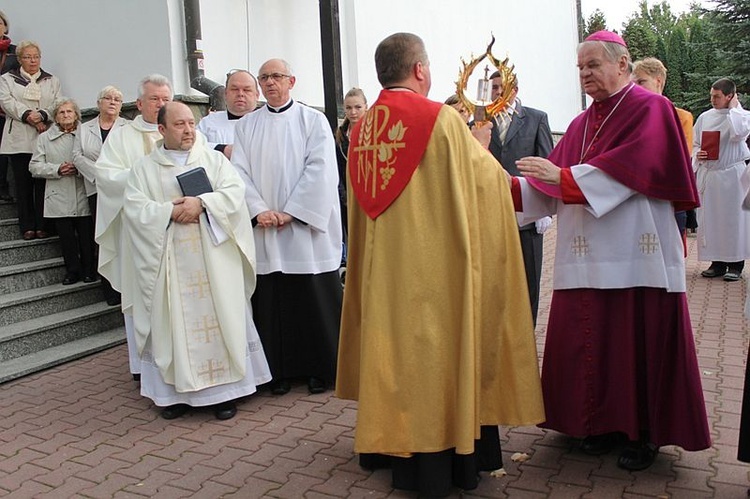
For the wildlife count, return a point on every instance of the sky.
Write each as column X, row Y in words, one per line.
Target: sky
column 618, row 11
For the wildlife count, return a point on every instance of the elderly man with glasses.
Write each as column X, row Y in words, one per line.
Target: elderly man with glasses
column 286, row 155
column 241, row 95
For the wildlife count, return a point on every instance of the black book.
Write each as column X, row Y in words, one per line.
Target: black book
column 194, row 182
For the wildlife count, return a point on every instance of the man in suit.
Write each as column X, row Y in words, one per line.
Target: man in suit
column 526, row 134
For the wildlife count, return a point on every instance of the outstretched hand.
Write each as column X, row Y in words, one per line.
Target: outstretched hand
column 539, row 168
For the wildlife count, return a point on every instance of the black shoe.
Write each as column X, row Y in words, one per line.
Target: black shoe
column 732, row 276
column 70, row 279
column 174, row 411
column 316, row 385
column 596, row 445
column 280, row 387
column 137, row 377
column 714, row 271
column 225, row 410
column 90, row 278
column 637, row 456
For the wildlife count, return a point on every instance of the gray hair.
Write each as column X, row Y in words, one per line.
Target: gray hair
column 613, row 51
column 23, row 45
column 108, row 90
column 60, row 103
column 155, row 79
column 287, row 66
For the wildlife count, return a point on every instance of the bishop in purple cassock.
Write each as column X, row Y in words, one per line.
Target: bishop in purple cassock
column 619, row 362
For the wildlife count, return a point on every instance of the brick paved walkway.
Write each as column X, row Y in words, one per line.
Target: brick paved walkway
column 83, row 430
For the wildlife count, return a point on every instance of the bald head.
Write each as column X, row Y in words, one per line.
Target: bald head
column 177, row 126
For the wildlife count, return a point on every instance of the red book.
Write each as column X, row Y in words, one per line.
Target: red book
column 710, row 143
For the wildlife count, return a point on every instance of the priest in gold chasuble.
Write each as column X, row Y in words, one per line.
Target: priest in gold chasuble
column 437, row 343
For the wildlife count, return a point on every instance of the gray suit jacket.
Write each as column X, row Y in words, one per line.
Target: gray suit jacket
column 528, row 135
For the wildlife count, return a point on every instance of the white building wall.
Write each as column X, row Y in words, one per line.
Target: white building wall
column 92, row 43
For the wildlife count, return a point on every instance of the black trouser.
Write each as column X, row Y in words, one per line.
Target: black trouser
column 532, row 247
column 77, row 241
column 29, row 194
column 110, row 294
column 3, row 163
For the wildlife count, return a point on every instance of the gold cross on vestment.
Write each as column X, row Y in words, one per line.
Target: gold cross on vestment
column 580, row 246
column 206, row 329
column 197, row 285
column 192, row 240
column 212, row 369
column 648, row 243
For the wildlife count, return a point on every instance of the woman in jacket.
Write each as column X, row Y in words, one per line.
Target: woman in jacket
column 65, row 195
column 355, row 107
column 86, row 149
column 8, row 61
column 27, row 95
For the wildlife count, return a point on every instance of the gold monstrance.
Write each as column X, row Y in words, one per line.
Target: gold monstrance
column 484, row 108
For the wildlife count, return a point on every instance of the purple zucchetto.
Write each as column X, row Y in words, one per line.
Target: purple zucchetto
column 606, row 36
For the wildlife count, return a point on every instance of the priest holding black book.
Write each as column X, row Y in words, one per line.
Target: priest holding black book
column 194, row 257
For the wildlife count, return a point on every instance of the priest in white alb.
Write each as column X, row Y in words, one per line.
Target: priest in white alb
column 123, row 148
column 241, row 96
column 194, row 260
column 286, row 155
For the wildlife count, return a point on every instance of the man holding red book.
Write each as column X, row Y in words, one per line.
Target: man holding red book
column 719, row 154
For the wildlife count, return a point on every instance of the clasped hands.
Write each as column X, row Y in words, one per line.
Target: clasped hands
column 270, row 218
column 36, row 120
column 67, row 169
column 186, row 210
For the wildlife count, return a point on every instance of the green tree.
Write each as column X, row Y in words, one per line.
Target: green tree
column 597, row 21
column 731, row 28
column 675, row 60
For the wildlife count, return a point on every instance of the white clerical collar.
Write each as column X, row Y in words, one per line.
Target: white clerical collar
column 151, row 127
column 179, row 157
column 280, row 109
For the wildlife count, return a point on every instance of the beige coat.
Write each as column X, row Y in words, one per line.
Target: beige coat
column 20, row 137
column 86, row 150
column 63, row 196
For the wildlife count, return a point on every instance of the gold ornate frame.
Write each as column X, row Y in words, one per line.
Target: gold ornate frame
column 509, row 79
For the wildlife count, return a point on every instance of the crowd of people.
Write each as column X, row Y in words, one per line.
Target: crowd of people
column 222, row 242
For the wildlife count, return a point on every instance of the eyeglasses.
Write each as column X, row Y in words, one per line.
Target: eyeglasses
column 31, row 57
column 112, row 99
column 273, row 76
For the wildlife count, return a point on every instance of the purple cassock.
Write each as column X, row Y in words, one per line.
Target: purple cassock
column 623, row 359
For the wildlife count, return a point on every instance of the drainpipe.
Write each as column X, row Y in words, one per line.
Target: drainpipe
column 330, row 41
column 193, row 40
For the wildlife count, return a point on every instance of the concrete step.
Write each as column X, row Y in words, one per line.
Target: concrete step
column 56, row 355
column 9, row 229
column 37, row 302
column 29, row 275
column 8, row 210
column 41, row 333
column 20, row 251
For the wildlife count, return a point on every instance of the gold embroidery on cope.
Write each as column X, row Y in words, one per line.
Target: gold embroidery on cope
column 378, row 152
column 206, row 329
column 212, row 369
